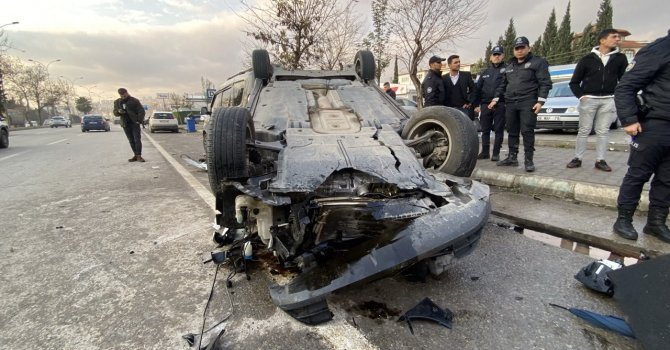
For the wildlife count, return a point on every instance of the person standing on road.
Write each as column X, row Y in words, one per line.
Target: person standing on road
column 433, row 88
column 525, row 86
column 459, row 87
column 491, row 119
column 593, row 82
column 649, row 126
column 388, row 90
column 131, row 113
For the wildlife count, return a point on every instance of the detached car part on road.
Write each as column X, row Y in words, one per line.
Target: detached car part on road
column 337, row 181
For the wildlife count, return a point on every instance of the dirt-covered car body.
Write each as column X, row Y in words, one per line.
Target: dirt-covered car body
column 314, row 164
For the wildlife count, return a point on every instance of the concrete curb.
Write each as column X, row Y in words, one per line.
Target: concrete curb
column 602, row 195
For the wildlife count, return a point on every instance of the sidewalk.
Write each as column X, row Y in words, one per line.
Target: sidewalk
column 551, row 177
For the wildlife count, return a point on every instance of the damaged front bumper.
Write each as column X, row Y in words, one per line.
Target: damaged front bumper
column 451, row 230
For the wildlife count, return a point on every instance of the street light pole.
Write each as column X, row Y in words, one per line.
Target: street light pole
column 9, row 24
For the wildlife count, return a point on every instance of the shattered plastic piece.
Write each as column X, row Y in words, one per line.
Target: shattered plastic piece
column 428, row 310
column 610, row 323
column 190, row 161
column 594, row 275
column 312, row 314
column 190, row 338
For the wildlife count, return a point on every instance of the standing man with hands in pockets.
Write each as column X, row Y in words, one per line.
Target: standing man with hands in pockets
column 593, row 82
column 525, row 86
column 131, row 112
column 491, row 119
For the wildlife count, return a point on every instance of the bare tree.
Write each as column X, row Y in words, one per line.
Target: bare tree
column 341, row 42
column 14, row 80
column 293, row 29
column 206, row 84
column 425, row 26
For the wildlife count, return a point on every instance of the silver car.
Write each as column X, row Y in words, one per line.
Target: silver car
column 60, row 121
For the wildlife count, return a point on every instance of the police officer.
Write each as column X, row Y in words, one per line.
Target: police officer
column 525, row 86
column 649, row 126
column 491, row 119
column 434, row 92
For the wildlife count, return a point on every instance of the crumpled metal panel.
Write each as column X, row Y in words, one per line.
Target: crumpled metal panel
column 310, row 158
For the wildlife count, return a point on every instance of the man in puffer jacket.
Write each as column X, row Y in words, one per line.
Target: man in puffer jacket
column 593, row 82
column 131, row 112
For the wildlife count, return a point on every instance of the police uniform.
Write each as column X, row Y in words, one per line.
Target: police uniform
column 490, row 119
column 524, row 84
column 434, row 91
column 650, row 148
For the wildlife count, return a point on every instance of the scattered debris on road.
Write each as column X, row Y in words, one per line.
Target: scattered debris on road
column 428, row 310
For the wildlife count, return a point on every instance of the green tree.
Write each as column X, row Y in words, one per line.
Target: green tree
column 378, row 39
column 537, row 47
column 508, row 40
column 586, row 42
column 564, row 53
column 83, row 104
column 604, row 17
column 395, row 70
column 550, row 38
column 487, row 52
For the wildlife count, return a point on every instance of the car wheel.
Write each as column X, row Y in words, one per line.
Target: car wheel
column 457, row 137
column 151, row 130
column 365, row 65
column 260, row 61
column 4, row 138
column 227, row 154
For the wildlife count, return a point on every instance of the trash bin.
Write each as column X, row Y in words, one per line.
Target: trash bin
column 190, row 124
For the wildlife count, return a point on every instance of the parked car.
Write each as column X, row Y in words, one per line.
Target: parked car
column 408, row 105
column 94, row 122
column 163, row 121
column 57, row 121
column 4, row 133
column 560, row 111
column 338, row 184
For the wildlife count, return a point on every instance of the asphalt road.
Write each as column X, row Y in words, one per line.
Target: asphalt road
column 99, row 253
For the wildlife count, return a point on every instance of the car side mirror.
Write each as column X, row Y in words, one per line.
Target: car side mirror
column 204, row 110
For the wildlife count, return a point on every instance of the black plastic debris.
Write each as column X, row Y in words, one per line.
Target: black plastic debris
column 641, row 290
column 312, row 314
column 428, row 310
column 190, row 338
column 594, row 275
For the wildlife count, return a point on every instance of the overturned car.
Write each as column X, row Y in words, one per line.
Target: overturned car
column 325, row 171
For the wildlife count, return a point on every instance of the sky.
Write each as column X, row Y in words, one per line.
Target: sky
column 163, row 46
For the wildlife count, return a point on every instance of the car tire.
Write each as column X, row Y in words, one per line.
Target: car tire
column 152, row 131
column 459, row 131
column 227, row 154
column 364, row 64
column 4, row 138
column 260, row 61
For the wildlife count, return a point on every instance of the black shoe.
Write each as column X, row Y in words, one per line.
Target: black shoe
column 602, row 165
column 483, row 156
column 133, row 159
column 139, row 158
column 509, row 161
column 530, row 167
column 575, row 163
column 624, row 224
column 495, row 157
column 656, row 224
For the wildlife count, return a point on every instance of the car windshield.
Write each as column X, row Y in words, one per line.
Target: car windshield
column 561, row 90
column 163, row 116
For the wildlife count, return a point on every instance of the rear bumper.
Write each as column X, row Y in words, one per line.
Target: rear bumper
column 94, row 127
column 165, row 127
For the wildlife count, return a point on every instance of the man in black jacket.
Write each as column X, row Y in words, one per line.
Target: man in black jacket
column 593, row 83
column 525, row 86
column 459, row 87
column 491, row 119
column 131, row 112
column 433, row 86
column 649, row 126
column 388, row 90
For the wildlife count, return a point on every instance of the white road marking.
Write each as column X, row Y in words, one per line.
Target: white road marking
column 55, row 142
column 337, row 332
column 11, row 156
column 201, row 190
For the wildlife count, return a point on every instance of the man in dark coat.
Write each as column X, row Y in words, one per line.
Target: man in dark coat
column 131, row 112
column 648, row 124
column 433, row 86
column 525, row 86
column 459, row 87
column 491, row 119
column 388, row 90
column 593, row 82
